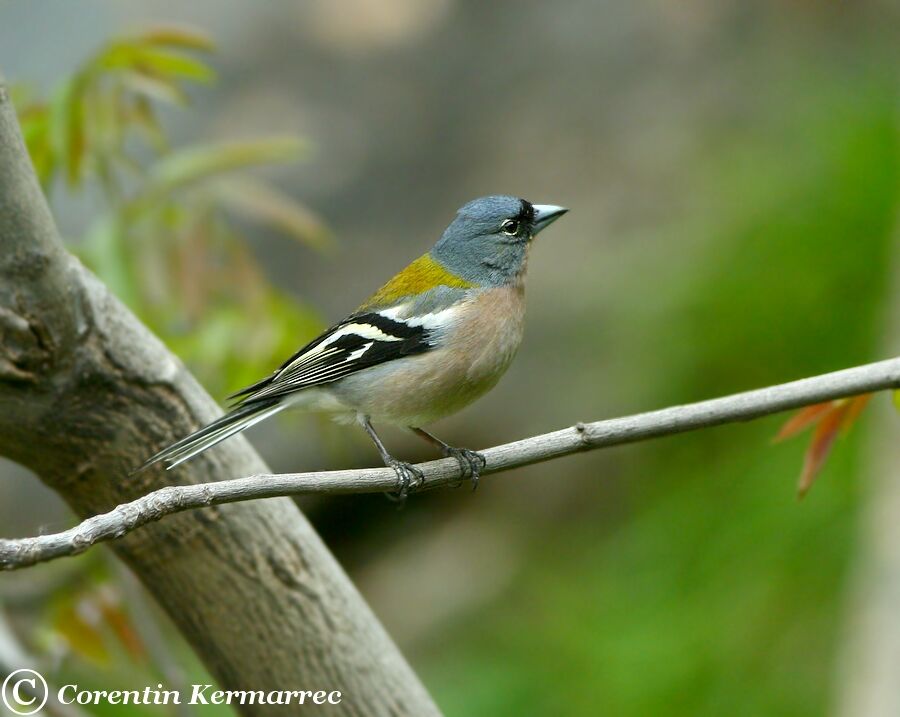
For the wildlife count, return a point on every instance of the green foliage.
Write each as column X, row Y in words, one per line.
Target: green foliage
column 169, row 239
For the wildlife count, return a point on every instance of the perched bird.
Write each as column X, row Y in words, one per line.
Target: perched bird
column 429, row 342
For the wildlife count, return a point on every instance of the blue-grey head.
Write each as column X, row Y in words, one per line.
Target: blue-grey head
column 487, row 243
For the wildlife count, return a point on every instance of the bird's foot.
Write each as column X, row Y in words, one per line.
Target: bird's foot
column 409, row 478
column 471, row 463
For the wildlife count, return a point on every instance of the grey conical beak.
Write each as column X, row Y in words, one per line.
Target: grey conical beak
column 545, row 215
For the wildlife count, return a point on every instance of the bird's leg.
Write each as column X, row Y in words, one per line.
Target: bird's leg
column 408, row 476
column 470, row 462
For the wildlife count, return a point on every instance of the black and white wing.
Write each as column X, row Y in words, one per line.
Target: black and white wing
column 365, row 339
column 361, row 341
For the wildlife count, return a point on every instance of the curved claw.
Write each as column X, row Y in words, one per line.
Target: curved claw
column 409, row 478
column 471, row 463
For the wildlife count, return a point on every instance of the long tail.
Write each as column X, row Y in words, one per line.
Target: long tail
column 228, row 425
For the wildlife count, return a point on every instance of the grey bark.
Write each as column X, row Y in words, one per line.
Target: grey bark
column 126, row 517
column 86, row 393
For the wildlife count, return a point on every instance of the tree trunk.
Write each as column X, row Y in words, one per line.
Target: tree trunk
column 87, row 393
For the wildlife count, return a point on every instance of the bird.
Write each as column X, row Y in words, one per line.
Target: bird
column 430, row 341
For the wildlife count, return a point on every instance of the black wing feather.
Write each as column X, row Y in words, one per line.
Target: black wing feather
column 341, row 357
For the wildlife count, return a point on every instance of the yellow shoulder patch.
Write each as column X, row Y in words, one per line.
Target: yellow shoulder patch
column 420, row 276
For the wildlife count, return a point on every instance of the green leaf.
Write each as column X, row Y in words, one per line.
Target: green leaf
column 34, row 121
column 264, row 203
column 177, row 36
column 69, row 119
column 152, row 61
column 190, row 166
column 172, row 64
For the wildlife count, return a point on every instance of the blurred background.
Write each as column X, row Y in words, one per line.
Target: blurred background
column 250, row 175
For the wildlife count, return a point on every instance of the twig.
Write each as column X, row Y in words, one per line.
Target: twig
column 583, row 436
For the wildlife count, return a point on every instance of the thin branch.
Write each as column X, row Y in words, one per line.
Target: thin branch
column 581, row 437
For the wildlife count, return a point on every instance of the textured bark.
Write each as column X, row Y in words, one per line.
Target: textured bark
column 86, row 393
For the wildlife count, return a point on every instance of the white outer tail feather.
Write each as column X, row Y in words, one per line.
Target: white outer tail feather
column 189, row 451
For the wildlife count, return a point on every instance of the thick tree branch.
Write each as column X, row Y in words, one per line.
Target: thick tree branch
column 581, row 437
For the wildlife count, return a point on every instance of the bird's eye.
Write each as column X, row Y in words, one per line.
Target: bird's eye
column 510, row 227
